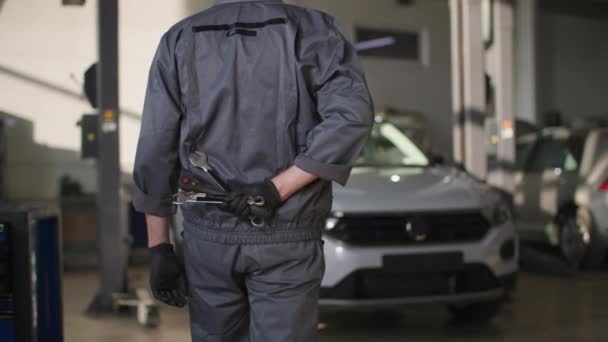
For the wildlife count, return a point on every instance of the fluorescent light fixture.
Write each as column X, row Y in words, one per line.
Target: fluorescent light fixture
column 375, row 43
column 73, row 2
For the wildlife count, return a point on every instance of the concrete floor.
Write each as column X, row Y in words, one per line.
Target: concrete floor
column 545, row 308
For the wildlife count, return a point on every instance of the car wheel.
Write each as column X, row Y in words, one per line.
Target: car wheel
column 475, row 313
column 573, row 239
column 596, row 250
column 579, row 243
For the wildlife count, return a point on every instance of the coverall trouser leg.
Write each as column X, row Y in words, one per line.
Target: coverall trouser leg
column 256, row 293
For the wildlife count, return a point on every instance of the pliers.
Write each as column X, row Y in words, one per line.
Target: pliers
column 190, row 191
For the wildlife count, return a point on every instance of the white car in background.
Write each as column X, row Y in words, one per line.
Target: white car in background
column 406, row 231
column 561, row 193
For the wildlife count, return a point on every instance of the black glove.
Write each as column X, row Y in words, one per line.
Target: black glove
column 237, row 201
column 167, row 278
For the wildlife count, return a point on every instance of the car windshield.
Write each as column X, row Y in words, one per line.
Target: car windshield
column 389, row 147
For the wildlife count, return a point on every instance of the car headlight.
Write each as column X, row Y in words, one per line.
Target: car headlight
column 332, row 221
column 497, row 214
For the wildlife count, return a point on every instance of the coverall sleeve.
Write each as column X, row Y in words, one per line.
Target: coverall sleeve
column 156, row 168
column 335, row 79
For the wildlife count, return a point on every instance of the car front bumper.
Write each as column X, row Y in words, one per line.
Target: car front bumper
column 419, row 274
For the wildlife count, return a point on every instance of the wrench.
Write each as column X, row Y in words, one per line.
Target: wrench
column 201, row 161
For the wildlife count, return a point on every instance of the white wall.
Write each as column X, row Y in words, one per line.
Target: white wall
column 50, row 43
column 573, row 65
column 405, row 85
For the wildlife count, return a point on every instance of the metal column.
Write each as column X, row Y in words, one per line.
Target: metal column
column 526, row 79
column 457, row 96
column 111, row 234
column 3, row 158
column 469, row 99
column 503, row 80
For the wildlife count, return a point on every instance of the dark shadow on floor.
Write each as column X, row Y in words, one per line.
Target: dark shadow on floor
column 545, row 260
column 421, row 323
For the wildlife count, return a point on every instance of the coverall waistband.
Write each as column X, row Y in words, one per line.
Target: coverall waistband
column 221, row 2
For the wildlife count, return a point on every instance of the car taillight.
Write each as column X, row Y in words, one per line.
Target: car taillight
column 604, row 186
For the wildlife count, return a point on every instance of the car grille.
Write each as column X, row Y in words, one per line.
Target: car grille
column 411, row 229
column 382, row 283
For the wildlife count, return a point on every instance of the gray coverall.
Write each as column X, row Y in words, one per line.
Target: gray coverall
column 259, row 86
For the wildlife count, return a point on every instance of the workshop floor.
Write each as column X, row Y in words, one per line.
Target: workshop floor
column 546, row 308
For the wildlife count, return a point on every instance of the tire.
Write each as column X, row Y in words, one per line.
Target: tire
column 475, row 313
column 579, row 242
column 596, row 250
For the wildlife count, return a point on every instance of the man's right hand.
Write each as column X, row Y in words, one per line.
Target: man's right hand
column 237, row 202
column 167, row 277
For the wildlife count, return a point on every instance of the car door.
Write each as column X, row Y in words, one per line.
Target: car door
column 524, row 149
column 571, row 177
column 549, row 177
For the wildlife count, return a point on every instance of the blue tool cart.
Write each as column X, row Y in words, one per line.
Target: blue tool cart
column 30, row 275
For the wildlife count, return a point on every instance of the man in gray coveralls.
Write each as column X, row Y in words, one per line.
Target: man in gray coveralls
column 275, row 96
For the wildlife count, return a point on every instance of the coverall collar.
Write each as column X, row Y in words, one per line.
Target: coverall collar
column 221, row 2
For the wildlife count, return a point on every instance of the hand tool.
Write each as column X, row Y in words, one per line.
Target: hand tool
column 183, row 197
column 200, row 160
column 191, row 191
column 189, row 184
column 257, row 201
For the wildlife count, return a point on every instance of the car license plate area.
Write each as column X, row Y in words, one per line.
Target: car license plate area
column 431, row 262
column 392, row 285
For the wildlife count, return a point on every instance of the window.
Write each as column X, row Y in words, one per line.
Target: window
column 389, row 147
column 388, row 44
column 552, row 154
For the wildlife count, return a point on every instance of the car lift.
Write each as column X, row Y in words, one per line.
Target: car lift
column 112, row 238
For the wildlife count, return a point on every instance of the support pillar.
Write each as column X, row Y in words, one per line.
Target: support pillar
column 503, row 91
column 457, row 97
column 526, row 91
column 111, row 234
column 468, row 74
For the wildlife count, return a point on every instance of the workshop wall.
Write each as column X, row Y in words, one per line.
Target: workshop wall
column 404, row 85
column 41, row 70
column 573, row 65
column 46, row 94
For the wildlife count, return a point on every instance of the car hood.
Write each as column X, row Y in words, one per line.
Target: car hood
column 385, row 190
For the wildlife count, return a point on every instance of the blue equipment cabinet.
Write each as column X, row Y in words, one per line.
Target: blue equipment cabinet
column 30, row 275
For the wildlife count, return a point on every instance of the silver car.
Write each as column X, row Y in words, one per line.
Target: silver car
column 561, row 194
column 408, row 231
